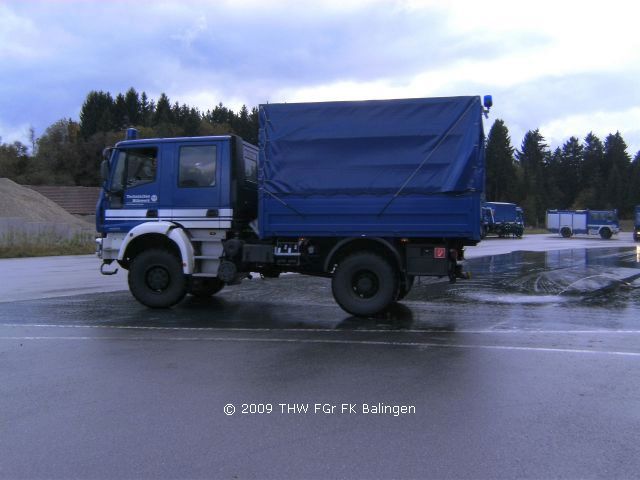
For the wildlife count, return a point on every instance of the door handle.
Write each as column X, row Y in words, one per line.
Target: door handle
column 152, row 213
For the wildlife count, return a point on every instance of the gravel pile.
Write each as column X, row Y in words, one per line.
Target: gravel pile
column 22, row 206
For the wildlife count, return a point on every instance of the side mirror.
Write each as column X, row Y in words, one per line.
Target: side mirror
column 104, row 171
column 104, row 165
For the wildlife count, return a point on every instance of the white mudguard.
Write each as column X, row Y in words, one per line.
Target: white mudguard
column 170, row 230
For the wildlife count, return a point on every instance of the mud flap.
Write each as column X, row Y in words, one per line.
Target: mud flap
column 455, row 267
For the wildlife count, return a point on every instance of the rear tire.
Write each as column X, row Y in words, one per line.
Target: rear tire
column 565, row 232
column 605, row 234
column 405, row 287
column 364, row 284
column 156, row 279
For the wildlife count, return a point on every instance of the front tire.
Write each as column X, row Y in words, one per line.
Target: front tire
column 605, row 234
column 565, row 232
column 156, row 279
column 364, row 284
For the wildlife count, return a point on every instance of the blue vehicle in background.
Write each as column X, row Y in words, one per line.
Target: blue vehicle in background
column 636, row 226
column 502, row 219
column 583, row 222
column 370, row 194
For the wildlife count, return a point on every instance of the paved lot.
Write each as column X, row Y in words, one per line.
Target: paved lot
column 528, row 370
column 49, row 277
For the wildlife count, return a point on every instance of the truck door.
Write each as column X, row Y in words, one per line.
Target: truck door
column 199, row 181
column 134, row 190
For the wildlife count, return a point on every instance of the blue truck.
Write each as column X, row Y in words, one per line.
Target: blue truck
column 636, row 224
column 370, row 194
column 585, row 222
column 502, row 219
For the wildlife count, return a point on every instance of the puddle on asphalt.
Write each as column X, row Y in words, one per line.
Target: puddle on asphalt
column 560, row 276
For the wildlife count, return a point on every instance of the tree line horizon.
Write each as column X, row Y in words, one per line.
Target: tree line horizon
column 581, row 174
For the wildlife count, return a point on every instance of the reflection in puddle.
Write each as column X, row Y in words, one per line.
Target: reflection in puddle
column 549, row 277
column 513, row 298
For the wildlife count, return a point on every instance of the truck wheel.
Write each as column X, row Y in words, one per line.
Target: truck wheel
column 605, row 234
column 364, row 284
column 636, row 237
column 205, row 287
column 405, row 287
column 156, row 279
column 565, row 232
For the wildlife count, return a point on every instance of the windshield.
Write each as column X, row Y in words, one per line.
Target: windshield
column 603, row 217
column 133, row 167
column 117, row 182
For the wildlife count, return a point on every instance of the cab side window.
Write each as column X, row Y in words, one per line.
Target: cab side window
column 250, row 167
column 197, row 166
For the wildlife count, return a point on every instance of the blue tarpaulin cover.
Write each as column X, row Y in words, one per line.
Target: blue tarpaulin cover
column 378, row 147
column 390, row 168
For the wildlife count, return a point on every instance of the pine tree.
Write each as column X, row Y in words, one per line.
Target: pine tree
column 146, row 111
column 120, row 113
column 255, row 126
column 617, row 162
column 501, row 170
column 633, row 197
column 163, row 113
column 568, row 176
column 163, row 119
column 134, row 110
column 591, row 188
column 191, row 122
column 95, row 114
column 554, row 181
column 533, row 157
column 241, row 124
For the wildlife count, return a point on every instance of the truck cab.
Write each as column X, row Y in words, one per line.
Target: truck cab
column 203, row 182
column 157, row 191
column 503, row 219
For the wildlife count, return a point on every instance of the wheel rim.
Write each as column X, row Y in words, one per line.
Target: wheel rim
column 365, row 284
column 157, row 278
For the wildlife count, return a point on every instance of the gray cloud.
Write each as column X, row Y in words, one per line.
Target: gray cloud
column 59, row 51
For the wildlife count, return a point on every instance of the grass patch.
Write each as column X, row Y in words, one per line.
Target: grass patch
column 627, row 225
column 18, row 244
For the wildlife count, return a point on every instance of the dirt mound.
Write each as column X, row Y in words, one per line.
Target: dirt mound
column 18, row 202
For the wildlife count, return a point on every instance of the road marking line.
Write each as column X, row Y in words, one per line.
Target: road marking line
column 332, row 330
column 349, row 342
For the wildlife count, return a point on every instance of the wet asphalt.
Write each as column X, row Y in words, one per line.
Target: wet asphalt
column 531, row 369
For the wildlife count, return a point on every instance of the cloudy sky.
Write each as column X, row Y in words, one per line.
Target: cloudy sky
column 562, row 66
